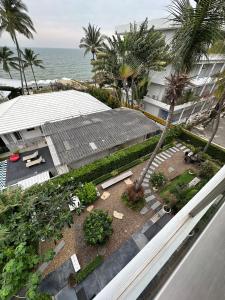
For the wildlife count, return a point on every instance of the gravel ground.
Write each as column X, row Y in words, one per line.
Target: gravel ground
column 122, row 229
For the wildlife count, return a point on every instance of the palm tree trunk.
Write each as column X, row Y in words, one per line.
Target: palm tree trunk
column 158, row 146
column 25, row 80
column 216, row 125
column 34, row 76
column 10, row 74
column 20, row 62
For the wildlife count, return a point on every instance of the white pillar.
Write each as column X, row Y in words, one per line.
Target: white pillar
column 181, row 115
column 200, row 69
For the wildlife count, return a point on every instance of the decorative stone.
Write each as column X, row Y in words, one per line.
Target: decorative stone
column 105, row 195
column 118, row 215
column 128, row 181
column 90, row 208
column 171, row 169
column 194, row 182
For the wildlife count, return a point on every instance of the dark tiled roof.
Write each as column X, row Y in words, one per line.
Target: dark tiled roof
column 83, row 136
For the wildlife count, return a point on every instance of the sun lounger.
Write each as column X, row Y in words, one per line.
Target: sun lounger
column 31, row 156
column 116, row 179
column 35, row 162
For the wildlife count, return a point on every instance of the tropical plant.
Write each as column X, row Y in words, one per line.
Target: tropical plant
column 97, row 227
column 7, row 59
column 158, row 179
column 87, row 193
column 199, row 26
column 15, row 20
column 207, row 170
column 92, row 41
column 220, row 96
column 32, row 60
column 125, row 61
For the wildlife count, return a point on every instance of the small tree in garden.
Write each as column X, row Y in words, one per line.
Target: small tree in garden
column 158, row 179
column 207, row 170
column 87, row 193
column 97, row 227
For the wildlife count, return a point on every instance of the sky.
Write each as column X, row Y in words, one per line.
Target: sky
column 59, row 23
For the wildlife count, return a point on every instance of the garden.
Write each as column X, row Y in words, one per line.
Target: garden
column 34, row 221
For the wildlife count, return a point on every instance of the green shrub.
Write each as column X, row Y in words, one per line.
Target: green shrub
column 207, row 169
column 87, row 193
column 82, row 274
column 97, row 227
column 158, row 179
column 104, row 96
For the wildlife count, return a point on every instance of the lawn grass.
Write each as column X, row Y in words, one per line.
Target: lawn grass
column 182, row 179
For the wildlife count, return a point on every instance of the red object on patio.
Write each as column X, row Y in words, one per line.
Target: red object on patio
column 14, row 157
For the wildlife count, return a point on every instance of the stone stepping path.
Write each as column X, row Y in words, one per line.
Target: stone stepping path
column 151, row 202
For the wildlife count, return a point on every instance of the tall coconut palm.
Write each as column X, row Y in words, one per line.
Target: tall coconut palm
column 220, row 95
column 15, row 20
column 7, row 59
column 199, row 27
column 92, row 41
column 31, row 60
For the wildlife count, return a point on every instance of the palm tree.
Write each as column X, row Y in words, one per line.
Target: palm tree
column 125, row 72
column 31, row 60
column 220, row 95
column 7, row 59
column 14, row 19
column 92, row 41
column 199, row 27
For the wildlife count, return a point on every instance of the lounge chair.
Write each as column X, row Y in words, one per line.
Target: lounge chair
column 31, row 156
column 35, row 162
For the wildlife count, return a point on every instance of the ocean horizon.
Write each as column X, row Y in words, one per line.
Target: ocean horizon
column 59, row 63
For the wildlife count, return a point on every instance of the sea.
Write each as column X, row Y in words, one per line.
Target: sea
column 58, row 64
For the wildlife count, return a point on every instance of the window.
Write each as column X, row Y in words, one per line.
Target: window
column 18, row 136
column 30, row 129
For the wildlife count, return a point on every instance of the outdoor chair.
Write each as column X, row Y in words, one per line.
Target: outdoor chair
column 35, row 162
column 31, row 156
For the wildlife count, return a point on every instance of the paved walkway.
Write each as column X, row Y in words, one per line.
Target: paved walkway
column 151, row 201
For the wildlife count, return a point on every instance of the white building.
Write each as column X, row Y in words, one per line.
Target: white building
column 202, row 79
column 21, row 118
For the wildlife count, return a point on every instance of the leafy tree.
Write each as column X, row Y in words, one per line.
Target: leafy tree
column 32, row 60
column 97, row 227
column 199, row 26
column 7, row 59
column 15, row 20
column 125, row 61
column 16, row 273
column 92, row 41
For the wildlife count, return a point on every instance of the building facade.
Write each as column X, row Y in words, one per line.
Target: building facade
column 203, row 82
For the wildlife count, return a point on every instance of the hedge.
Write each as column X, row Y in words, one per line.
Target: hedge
column 214, row 151
column 82, row 274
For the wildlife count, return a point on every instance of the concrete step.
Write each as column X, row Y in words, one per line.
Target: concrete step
column 155, row 218
column 160, row 159
column 156, row 205
column 147, row 192
column 166, row 154
column 150, row 198
column 163, row 156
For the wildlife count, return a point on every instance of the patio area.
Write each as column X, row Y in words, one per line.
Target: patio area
column 16, row 171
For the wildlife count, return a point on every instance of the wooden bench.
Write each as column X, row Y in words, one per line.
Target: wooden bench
column 116, row 179
column 75, row 263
